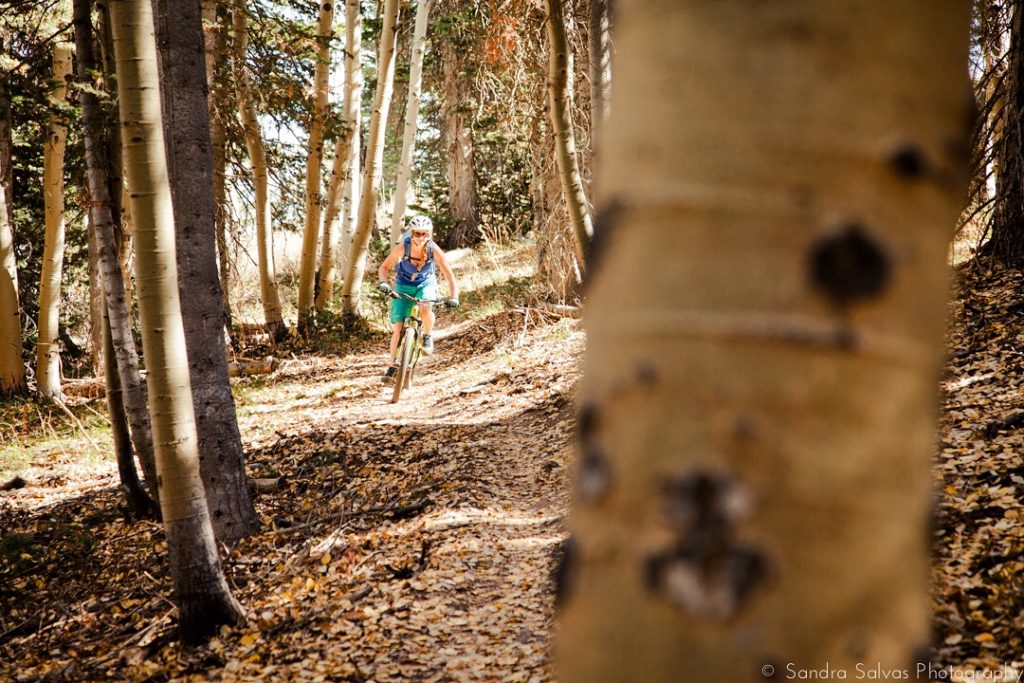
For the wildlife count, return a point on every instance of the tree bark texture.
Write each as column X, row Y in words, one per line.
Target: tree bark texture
column 48, row 348
column 599, row 43
column 374, row 160
column 273, row 318
column 458, row 135
column 203, row 598
column 1006, row 243
column 412, row 112
column 179, row 33
column 744, row 497
column 103, row 208
column 346, row 151
column 12, row 367
column 314, row 154
column 216, row 37
column 560, row 102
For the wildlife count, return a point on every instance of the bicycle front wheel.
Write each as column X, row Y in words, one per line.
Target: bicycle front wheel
column 408, row 349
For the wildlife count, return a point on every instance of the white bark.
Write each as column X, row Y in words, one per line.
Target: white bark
column 412, row 111
column 48, row 349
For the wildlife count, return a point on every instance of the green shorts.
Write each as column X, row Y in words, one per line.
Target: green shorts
column 400, row 308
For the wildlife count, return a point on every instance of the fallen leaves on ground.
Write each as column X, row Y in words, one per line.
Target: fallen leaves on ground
column 408, row 541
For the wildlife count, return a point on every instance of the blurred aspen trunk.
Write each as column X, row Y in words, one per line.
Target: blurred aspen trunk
column 48, row 348
column 745, row 500
column 273, row 319
column 186, row 116
column 560, row 102
column 203, row 599
column 374, row 161
column 12, row 367
column 216, row 44
column 311, row 229
column 346, row 151
column 458, row 136
column 412, row 111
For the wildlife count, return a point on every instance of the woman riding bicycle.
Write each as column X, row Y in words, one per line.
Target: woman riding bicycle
column 415, row 258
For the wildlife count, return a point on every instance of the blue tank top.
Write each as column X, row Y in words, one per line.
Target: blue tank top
column 408, row 273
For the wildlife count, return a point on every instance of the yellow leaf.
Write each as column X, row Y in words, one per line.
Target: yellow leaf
column 950, row 489
column 326, row 559
column 984, row 637
column 249, row 639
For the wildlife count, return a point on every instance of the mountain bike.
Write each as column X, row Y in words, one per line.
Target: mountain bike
column 410, row 346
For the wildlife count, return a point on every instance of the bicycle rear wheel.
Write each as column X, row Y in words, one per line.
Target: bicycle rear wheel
column 408, row 349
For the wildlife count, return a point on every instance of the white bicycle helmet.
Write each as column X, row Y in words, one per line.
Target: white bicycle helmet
column 421, row 223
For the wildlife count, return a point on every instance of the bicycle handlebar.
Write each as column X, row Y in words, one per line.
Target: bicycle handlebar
column 402, row 295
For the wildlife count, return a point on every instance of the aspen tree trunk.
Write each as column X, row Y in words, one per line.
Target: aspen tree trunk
column 48, row 348
column 100, row 159
column 599, row 40
column 6, row 146
column 560, row 102
column 12, row 367
column 273, row 318
column 179, row 33
column 215, row 41
column 203, row 599
column 374, row 160
column 462, row 198
column 139, row 502
column 311, row 229
column 764, row 335
column 346, row 151
column 350, row 207
column 412, row 112
column 95, row 298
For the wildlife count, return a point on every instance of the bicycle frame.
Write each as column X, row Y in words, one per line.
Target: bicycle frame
column 410, row 345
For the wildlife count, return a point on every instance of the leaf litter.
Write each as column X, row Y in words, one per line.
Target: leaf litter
column 409, row 541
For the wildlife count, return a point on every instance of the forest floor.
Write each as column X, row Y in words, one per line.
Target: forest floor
column 416, row 541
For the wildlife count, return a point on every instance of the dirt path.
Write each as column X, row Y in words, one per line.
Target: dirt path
column 404, row 542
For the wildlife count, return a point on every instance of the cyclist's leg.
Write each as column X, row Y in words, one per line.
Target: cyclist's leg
column 396, row 335
column 427, row 291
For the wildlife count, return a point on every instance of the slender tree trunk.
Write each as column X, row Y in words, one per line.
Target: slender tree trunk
column 203, row 599
column 139, row 502
column 6, row 146
column 179, row 33
column 345, row 151
column 412, row 111
column 216, row 52
column 350, row 207
column 458, row 133
column 311, row 229
column 745, row 502
column 48, row 349
column 12, row 367
column 599, row 40
column 273, row 318
column 95, row 298
column 104, row 207
column 560, row 102
column 374, row 160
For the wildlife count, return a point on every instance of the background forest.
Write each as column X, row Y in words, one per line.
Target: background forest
column 756, row 205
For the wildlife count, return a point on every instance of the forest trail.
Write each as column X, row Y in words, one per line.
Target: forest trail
column 408, row 541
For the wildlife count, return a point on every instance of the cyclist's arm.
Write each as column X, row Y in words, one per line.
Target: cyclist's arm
column 453, row 285
column 390, row 262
